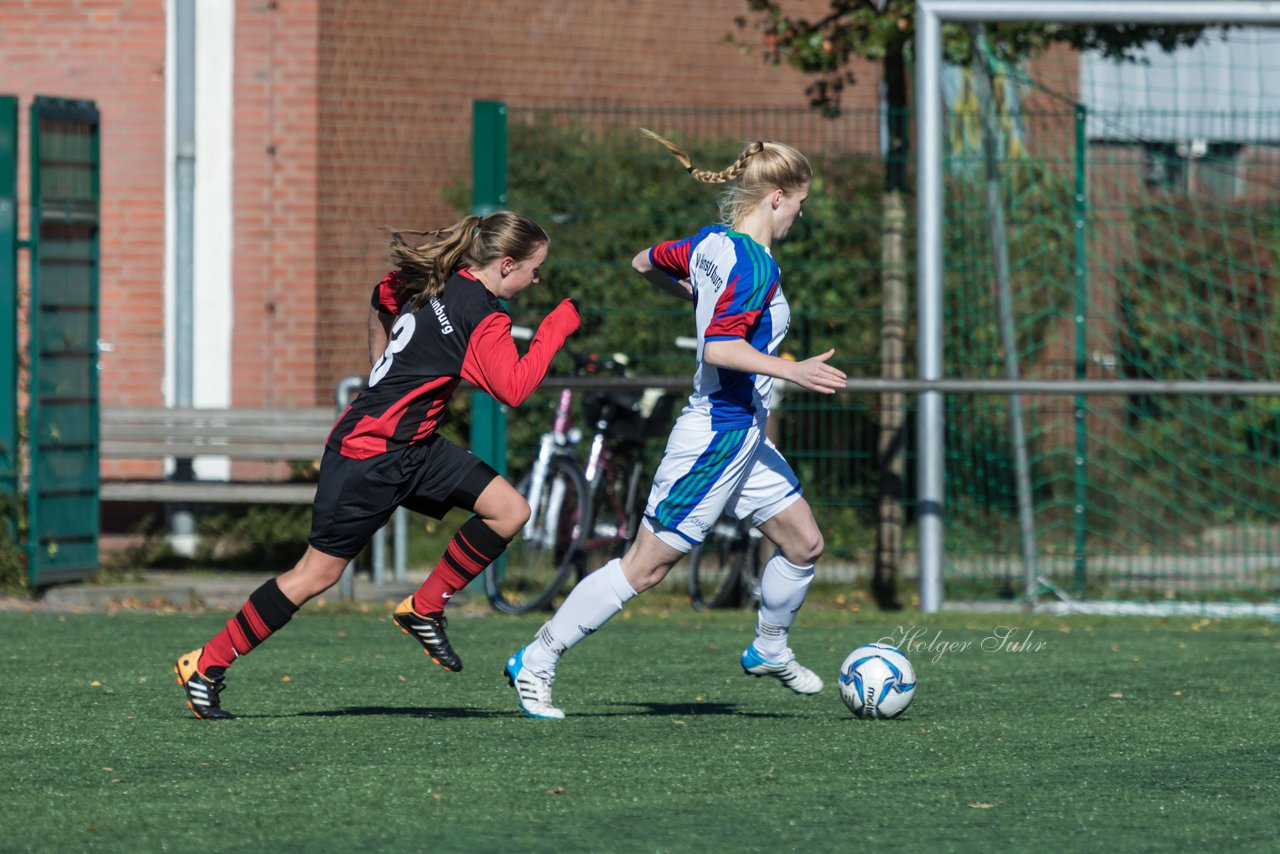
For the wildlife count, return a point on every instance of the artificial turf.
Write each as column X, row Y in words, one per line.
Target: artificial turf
column 1093, row 734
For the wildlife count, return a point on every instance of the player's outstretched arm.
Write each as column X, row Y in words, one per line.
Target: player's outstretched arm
column 494, row 364
column 813, row 373
column 661, row 279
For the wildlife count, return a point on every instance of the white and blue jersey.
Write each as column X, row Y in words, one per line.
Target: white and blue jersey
column 718, row 459
column 737, row 294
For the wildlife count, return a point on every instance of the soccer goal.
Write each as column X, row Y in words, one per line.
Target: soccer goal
column 1138, row 323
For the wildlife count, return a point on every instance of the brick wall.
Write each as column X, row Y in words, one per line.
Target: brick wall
column 275, row 178
column 112, row 53
column 347, row 117
column 396, row 85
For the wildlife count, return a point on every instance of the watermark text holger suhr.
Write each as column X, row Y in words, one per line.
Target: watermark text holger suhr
column 917, row 640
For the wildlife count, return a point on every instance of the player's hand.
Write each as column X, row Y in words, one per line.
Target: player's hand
column 568, row 307
column 588, row 323
column 816, row 375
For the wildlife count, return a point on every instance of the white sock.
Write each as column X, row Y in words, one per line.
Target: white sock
column 589, row 606
column 783, row 586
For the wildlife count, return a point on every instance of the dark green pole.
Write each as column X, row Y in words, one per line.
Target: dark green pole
column 9, row 315
column 489, row 194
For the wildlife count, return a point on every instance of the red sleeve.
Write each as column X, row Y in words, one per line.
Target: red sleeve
column 386, row 294
column 493, row 363
column 672, row 257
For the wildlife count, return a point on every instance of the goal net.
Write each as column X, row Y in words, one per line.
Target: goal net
column 1102, row 235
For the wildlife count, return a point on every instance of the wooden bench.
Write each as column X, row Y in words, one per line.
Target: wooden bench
column 135, row 433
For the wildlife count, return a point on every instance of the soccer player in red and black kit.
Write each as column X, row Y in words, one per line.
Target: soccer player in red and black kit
column 436, row 321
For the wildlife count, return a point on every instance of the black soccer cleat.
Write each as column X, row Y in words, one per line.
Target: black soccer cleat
column 202, row 691
column 429, row 631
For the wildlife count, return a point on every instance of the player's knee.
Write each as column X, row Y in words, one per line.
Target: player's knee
column 313, row 574
column 510, row 517
column 648, row 578
column 642, row 574
column 805, row 549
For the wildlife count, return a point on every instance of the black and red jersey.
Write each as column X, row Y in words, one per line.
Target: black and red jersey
column 464, row 333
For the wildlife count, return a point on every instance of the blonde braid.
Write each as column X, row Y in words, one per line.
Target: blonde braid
column 724, row 176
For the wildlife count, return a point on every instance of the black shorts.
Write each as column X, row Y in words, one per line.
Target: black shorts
column 355, row 498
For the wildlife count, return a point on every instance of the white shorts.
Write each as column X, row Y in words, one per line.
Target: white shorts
column 705, row 474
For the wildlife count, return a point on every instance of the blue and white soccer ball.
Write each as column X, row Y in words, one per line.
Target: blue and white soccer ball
column 877, row 681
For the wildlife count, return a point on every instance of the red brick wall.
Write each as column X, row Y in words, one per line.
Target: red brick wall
column 274, row 204
column 112, row 53
column 347, row 116
column 397, row 81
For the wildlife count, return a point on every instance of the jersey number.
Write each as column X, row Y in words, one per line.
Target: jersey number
column 400, row 335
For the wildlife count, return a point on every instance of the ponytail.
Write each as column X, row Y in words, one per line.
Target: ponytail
column 470, row 242
column 761, row 167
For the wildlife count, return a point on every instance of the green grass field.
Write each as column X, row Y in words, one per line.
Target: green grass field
column 1096, row 734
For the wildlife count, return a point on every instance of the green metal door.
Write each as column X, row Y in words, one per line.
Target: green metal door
column 62, row 500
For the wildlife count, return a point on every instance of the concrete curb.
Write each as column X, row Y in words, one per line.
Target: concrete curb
column 185, row 591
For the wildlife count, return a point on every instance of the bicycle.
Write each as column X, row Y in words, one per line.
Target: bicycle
column 582, row 514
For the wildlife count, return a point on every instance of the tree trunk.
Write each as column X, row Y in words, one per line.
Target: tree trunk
column 890, row 453
column 890, row 445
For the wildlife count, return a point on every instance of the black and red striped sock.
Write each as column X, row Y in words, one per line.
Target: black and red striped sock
column 473, row 548
column 265, row 613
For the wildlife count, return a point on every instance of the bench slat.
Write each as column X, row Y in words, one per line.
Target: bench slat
column 208, row 492
column 128, row 449
column 256, row 434
column 192, row 431
column 151, row 415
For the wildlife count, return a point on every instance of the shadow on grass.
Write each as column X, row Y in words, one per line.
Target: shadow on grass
column 625, row 710
column 402, row 712
column 681, row 710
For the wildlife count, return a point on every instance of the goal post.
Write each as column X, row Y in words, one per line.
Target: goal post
column 931, row 15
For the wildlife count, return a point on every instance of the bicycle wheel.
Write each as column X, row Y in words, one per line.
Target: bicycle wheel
column 540, row 557
column 612, row 528
column 716, row 566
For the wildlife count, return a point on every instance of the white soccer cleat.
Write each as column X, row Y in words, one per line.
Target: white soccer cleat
column 533, row 690
column 786, row 670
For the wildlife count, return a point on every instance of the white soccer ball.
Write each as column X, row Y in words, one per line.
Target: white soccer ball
column 877, row 681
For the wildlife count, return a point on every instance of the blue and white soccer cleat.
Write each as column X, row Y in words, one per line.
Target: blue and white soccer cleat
column 533, row 690
column 786, row 670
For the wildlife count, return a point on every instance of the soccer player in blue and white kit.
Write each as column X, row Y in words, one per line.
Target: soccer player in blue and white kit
column 718, row 458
